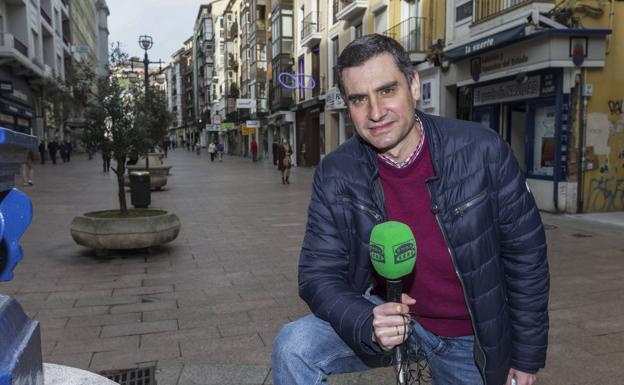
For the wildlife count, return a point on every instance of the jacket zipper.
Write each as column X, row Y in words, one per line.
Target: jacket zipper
column 360, row 206
column 459, row 210
column 461, row 281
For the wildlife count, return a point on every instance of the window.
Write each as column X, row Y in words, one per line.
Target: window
column 333, row 60
column 301, row 71
column 463, row 12
column 544, row 140
column 358, row 30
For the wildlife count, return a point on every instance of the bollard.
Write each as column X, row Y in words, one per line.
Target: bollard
column 20, row 338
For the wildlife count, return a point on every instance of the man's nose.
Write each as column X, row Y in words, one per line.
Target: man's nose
column 377, row 109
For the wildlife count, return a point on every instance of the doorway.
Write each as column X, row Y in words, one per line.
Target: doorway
column 516, row 131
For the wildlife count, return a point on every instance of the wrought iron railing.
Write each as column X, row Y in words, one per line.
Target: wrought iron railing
column 20, row 47
column 411, row 33
column 310, row 24
column 45, row 15
column 486, row 9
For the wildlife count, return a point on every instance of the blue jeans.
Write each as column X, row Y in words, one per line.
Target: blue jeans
column 308, row 350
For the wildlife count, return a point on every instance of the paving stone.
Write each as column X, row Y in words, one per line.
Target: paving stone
column 124, row 359
column 103, row 319
column 143, row 290
column 73, row 311
column 76, row 294
column 93, row 345
column 143, row 306
column 184, row 335
column 139, row 328
column 71, row 333
column 193, row 348
column 223, row 374
column 77, row 360
column 118, row 300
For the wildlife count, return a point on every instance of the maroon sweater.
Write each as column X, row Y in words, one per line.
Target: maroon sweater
column 440, row 307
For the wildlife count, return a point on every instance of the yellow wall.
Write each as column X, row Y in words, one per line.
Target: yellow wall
column 604, row 184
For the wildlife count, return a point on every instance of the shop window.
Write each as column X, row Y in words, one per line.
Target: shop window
column 544, row 141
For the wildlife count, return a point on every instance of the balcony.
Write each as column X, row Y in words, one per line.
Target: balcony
column 45, row 16
column 489, row 9
column 15, row 54
column 350, row 10
column 311, row 31
column 412, row 34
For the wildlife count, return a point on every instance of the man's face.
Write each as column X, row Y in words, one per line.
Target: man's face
column 381, row 104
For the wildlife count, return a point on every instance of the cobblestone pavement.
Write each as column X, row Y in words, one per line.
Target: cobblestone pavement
column 205, row 308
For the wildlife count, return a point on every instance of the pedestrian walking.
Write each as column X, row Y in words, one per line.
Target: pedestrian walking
column 42, row 150
column 254, row 148
column 285, row 161
column 106, row 155
column 27, row 169
column 52, row 149
column 476, row 306
column 212, row 150
column 220, row 150
column 68, row 150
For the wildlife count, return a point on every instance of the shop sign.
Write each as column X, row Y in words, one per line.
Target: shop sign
column 253, row 123
column 245, row 103
column 333, row 100
column 6, row 86
column 485, row 43
column 23, row 122
column 507, row 91
column 227, row 126
column 7, row 118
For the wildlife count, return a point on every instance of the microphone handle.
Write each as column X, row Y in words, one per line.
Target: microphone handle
column 394, row 288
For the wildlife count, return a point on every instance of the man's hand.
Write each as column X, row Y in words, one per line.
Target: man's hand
column 522, row 378
column 391, row 322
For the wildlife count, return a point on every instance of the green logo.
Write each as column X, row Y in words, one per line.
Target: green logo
column 377, row 253
column 404, row 251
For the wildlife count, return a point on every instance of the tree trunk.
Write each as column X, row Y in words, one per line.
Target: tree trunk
column 121, row 184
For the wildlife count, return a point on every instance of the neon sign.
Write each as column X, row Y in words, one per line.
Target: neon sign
column 291, row 82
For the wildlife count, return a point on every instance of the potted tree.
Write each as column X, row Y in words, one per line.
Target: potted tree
column 153, row 120
column 121, row 119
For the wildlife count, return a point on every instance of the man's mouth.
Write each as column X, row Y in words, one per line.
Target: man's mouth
column 380, row 128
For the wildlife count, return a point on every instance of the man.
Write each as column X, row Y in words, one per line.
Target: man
column 42, row 149
column 477, row 300
column 254, row 148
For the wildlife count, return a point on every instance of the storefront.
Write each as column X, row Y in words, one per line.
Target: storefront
column 523, row 90
column 310, row 131
column 16, row 104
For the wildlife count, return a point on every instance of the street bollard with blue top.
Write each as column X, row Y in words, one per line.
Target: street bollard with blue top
column 20, row 338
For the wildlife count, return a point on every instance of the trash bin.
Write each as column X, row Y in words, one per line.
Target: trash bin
column 140, row 189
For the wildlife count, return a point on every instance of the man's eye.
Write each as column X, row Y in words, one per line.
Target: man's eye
column 387, row 91
column 358, row 100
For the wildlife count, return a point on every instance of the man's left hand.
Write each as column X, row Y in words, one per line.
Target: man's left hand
column 522, row 378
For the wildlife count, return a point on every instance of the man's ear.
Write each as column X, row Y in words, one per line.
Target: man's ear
column 415, row 87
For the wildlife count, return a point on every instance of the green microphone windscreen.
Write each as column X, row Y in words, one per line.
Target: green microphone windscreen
column 392, row 249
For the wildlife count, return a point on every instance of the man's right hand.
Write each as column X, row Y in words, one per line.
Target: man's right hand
column 391, row 322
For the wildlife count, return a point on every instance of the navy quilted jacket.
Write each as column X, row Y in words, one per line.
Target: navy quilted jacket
column 489, row 220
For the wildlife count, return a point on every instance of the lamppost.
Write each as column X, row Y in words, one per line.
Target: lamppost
column 146, row 42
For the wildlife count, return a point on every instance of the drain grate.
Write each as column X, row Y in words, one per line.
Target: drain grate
column 135, row 376
column 580, row 235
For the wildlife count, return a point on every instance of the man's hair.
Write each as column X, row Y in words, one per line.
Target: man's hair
column 367, row 47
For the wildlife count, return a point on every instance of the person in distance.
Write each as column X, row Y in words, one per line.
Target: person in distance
column 476, row 304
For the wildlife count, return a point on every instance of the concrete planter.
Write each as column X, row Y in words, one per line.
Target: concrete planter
column 124, row 233
column 158, row 175
column 157, row 168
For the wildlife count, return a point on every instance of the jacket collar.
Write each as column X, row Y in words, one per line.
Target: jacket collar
column 433, row 135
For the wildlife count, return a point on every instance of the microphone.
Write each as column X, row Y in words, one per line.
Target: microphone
column 392, row 250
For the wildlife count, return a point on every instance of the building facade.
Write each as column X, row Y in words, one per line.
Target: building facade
column 520, row 68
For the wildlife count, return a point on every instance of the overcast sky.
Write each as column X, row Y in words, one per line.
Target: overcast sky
column 168, row 22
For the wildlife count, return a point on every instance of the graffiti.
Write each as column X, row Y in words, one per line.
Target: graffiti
column 291, row 81
column 615, row 106
column 606, row 194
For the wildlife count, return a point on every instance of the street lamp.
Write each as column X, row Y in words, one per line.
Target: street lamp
column 146, row 42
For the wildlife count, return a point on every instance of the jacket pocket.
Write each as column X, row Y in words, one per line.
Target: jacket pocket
column 361, row 208
column 459, row 210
